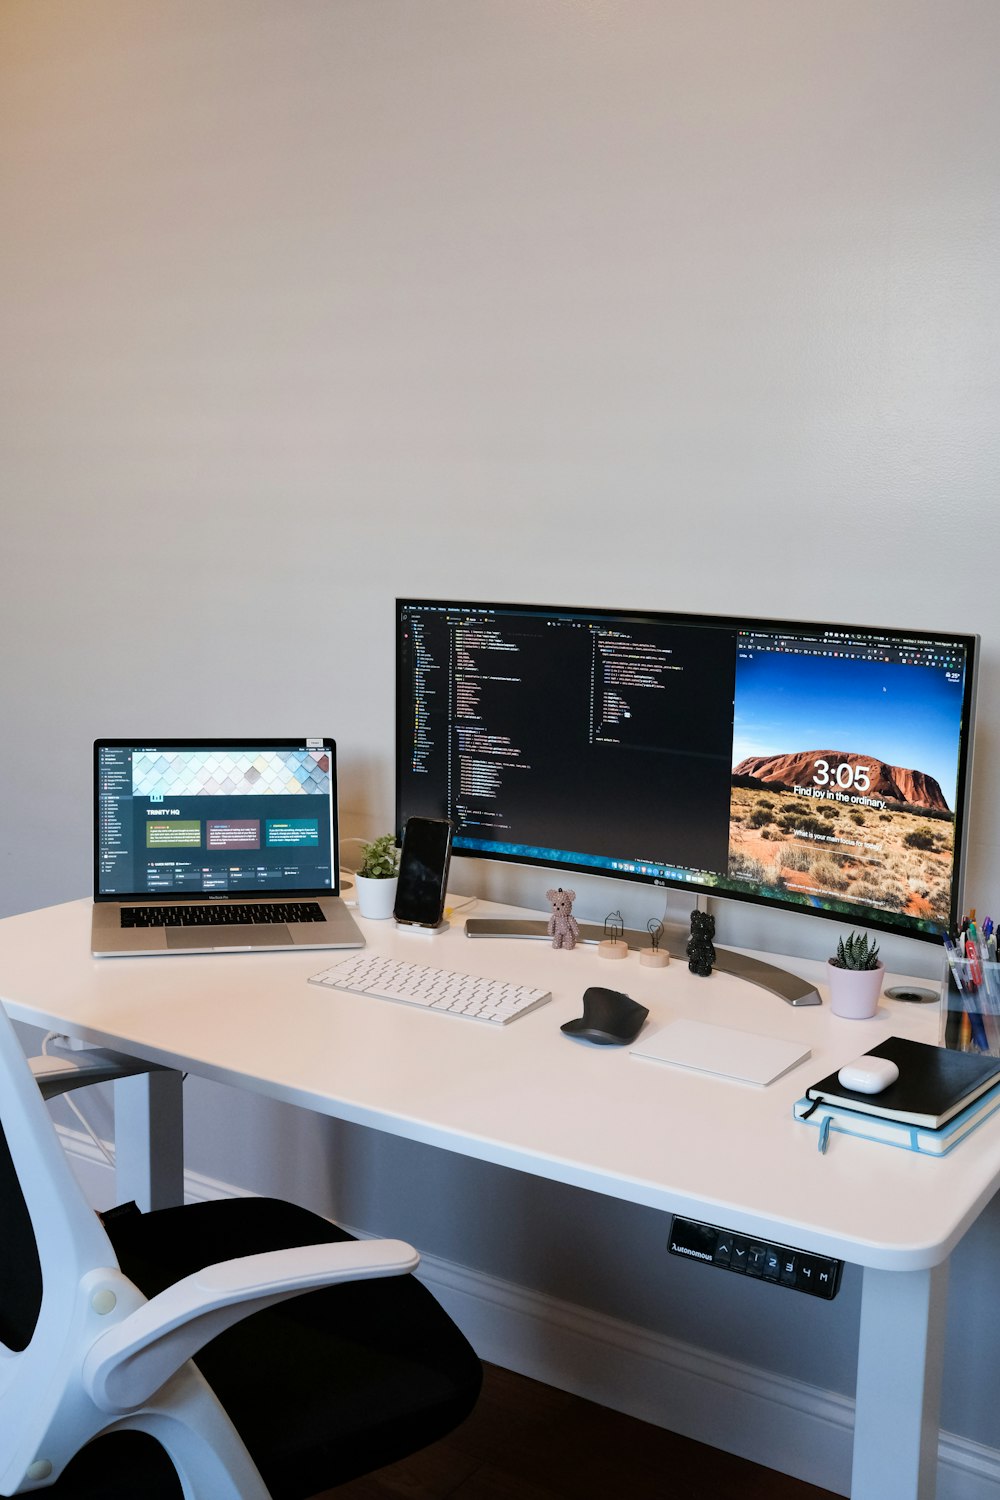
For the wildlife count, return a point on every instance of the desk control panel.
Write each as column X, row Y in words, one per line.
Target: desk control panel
column 747, row 1256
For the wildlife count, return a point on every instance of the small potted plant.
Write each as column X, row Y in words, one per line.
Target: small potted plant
column 376, row 877
column 855, row 977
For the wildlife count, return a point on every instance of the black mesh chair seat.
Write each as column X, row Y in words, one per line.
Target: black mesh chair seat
column 352, row 1377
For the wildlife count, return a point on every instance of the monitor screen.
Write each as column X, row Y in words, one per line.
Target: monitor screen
column 805, row 766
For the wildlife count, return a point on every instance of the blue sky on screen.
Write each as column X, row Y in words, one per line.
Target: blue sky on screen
column 907, row 716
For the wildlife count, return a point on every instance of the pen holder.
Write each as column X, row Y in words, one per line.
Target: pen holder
column 970, row 1009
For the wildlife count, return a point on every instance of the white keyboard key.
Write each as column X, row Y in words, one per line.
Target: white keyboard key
column 495, row 1001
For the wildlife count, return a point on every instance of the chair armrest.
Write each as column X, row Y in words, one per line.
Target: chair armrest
column 126, row 1365
column 62, row 1072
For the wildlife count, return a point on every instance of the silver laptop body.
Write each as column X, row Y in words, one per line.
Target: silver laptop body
column 216, row 847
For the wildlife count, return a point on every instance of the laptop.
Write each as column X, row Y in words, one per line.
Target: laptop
column 219, row 846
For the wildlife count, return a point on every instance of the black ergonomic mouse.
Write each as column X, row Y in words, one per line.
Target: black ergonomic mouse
column 609, row 1018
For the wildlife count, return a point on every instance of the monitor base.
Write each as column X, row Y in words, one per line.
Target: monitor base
column 787, row 986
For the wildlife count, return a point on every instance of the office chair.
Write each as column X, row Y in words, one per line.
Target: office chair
column 245, row 1349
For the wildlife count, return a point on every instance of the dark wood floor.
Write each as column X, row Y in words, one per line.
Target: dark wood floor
column 526, row 1441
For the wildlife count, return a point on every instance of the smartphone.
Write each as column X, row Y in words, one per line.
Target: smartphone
column 423, row 871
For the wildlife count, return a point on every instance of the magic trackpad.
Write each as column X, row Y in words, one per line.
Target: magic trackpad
column 262, row 935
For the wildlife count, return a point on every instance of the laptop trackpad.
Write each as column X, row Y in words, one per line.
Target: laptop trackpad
column 263, row 935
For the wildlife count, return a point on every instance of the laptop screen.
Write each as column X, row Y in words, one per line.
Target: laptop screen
column 190, row 818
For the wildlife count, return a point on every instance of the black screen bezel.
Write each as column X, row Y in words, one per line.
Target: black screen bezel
column 869, row 918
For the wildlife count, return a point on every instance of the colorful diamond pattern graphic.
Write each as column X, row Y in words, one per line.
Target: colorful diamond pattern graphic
column 213, row 773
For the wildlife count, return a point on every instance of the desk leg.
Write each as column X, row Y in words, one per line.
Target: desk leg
column 897, row 1415
column 149, row 1139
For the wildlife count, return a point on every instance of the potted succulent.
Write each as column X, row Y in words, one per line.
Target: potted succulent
column 855, row 977
column 375, row 880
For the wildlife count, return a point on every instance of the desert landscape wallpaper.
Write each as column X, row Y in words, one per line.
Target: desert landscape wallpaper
column 865, row 833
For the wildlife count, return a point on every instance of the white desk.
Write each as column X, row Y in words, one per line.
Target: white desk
column 594, row 1117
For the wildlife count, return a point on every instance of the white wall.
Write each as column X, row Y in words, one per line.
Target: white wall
column 683, row 303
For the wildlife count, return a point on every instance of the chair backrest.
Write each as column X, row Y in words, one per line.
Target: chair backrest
column 20, row 1267
column 38, row 1190
column 64, row 1291
column 51, row 1239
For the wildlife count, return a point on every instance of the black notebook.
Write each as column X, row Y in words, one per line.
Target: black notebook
column 934, row 1083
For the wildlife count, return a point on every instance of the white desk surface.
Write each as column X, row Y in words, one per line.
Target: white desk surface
column 525, row 1095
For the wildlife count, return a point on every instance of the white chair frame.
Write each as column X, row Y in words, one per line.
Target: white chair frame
column 104, row 1357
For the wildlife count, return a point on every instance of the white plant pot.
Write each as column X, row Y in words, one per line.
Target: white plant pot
column 854, row 993
column 376, row 898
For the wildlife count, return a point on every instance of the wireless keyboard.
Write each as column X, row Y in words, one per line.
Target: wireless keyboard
column 494, row 1000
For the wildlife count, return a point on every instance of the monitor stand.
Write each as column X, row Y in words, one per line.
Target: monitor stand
column 790, row 988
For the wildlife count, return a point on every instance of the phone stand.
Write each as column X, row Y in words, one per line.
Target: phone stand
column 418, row 931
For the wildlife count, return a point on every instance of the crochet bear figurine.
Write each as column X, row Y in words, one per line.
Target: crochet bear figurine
column 563, row 926
column 700, row 949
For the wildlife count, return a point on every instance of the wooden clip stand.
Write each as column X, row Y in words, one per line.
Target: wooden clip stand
column 613, row 944
column 654, row 957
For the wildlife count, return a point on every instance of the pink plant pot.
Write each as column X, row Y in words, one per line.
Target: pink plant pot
column 854, row 993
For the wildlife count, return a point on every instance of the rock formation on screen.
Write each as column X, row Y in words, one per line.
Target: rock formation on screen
column 897, row 786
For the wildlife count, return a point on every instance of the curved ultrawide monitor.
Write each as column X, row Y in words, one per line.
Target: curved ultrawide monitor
column 811, row 767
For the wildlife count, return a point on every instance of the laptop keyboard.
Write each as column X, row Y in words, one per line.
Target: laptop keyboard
column 222, row 914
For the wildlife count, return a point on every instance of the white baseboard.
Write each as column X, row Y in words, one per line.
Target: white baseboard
column 783, row 1424
column 768, row 1418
